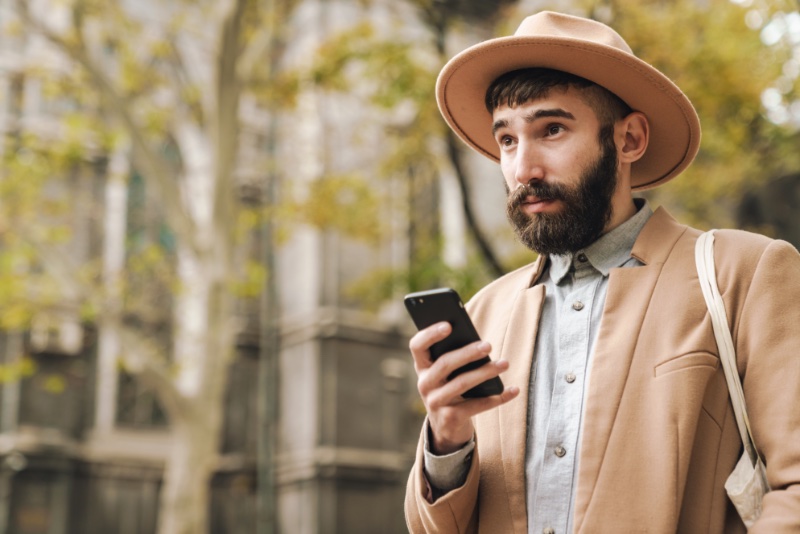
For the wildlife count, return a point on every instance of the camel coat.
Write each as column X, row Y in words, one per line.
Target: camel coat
column 659, row 437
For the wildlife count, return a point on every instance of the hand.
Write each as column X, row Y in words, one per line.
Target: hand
column 449, row 414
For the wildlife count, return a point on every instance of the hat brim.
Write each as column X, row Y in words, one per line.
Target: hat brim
column 674, row 124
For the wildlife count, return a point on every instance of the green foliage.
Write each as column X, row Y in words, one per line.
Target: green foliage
column 149, row 281
column 345, row 203
column 441, row 15
column 279, row 92
column 274, row 87
column 723, row 67
column 393, row 70
column 36, row 212
column 398, row 79
column 251, row 282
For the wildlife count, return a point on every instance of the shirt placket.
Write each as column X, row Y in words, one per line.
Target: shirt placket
column 561, row 443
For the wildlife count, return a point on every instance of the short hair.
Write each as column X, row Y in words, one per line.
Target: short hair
column 517, row 87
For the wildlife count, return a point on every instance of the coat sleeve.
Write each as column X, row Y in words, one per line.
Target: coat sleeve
column 768, row 346
column 455, row 512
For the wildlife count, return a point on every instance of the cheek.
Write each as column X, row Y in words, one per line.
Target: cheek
column 576, row 166
column 508, row 175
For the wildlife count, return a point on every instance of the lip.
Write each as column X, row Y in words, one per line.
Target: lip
column 537, row 205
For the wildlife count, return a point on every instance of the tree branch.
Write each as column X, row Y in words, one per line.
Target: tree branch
column 226, row 127
column 438, row 19
column 255, row 54
column 142, row 358
column 486, row 251
column 185, row 81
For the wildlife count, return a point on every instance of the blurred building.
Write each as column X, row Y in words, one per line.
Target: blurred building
column 82, row 442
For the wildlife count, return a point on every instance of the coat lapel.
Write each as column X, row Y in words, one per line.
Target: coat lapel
column 629, row 294
column 518, row 349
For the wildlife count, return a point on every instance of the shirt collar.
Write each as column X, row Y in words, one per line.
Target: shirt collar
column 610, row 250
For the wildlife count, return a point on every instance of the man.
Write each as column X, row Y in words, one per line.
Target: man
column 616, row 416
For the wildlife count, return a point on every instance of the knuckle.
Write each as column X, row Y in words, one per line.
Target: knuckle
column 434, row 403
column 423, row 339
column 462, row 382
column 422, row 385
column 480, row 348
column 457, row 383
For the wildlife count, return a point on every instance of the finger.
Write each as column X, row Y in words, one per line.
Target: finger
column 451, row 392
column 473, row 407
column 438, row 373
column 421, row 343
column 458, row 358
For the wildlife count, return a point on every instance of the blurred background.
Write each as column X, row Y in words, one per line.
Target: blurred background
column 210, row 211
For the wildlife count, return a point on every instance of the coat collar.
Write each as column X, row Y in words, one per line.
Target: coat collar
column 652, row 246
column 610, row 250
column 657, row 238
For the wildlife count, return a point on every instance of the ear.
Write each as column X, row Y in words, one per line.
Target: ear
column 632, row 134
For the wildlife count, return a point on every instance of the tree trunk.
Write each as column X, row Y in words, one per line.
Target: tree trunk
column 185, row 495
column 202, row 353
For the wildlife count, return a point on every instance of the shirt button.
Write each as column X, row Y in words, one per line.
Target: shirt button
column 577, row 305
column 560, row 451
column 549, row 530
column 569, row 377
column 582, row 258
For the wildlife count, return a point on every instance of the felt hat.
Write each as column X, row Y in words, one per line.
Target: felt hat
column 586, row 48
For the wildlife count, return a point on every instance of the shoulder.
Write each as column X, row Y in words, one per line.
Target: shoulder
column 665, row 240
column 748, row 253
column 747, row 263
column 740, row 242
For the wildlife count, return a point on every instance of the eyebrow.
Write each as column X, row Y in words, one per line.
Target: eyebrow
column 534, row 116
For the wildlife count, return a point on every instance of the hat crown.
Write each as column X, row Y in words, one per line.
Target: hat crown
column 550, row 24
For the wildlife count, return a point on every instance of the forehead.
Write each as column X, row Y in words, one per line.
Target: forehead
column 568, row 103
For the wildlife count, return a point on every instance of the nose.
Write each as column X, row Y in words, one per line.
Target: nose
column 527, row 164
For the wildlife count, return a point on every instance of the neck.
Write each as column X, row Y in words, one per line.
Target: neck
column 621, row 212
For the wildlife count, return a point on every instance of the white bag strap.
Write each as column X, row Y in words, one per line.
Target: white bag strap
column 706, row 270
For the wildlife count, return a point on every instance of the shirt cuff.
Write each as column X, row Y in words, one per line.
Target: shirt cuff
column 448, row 472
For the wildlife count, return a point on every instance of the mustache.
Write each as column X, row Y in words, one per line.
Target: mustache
column 540, row 190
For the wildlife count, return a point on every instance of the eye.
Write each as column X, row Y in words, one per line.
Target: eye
column 554, row 129
column 505, row 141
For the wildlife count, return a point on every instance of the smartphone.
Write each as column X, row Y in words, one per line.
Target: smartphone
column 444, row 304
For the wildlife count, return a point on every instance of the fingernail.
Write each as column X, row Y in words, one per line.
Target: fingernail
column 443, row 327
column 483, row 346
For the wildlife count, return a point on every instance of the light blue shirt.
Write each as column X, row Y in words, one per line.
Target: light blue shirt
column 575, row 293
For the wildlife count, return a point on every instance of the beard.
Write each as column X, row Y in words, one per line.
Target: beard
column 585, row 213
